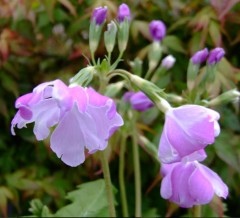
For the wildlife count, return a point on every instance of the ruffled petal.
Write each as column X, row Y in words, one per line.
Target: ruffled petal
column 68, row 141
column 105, row 126
column 220, row 188
column 96, row 99
column 175, row 140
column 196, row 121
column 166, row 152
column 23, row 100
column 46, row 115
column 200, row 187
column 166, row 186
column 181, row 193
column 79, row 96
column 199, row 155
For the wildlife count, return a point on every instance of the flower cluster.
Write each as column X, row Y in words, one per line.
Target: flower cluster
column 83, row 118
column 187, row 131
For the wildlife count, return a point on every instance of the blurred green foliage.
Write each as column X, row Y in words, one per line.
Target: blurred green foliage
column 45, row 40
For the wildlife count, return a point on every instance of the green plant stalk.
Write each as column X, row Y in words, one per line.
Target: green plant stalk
column 137, row 173
column 107, row 178
column 197, row 211
column 121, row 177
column 93, row 59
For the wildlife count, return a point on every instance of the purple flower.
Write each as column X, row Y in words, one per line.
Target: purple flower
column 168, row 62
column 138, row 100
column 187, row 131
column 157, row 30
column 200, row 56
column 191, row 183
column 83, row 118
column 215, row 55
column 123, row 11
column 99, row 14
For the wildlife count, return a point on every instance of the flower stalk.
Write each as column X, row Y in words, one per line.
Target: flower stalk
column 107, row 178
column 121, row 177
column 137, row 171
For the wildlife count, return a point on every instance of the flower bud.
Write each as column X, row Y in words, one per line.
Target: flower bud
column 168, row 62
column 95, row 30
column 224, row 98
column 200, row 56
column 154, row 55
column 110, row 36
column 138, row 100
column 157, row 30
column 123, row 12
column 123, row 34
column 99, row 15
column 83, row 77
column 215, row 55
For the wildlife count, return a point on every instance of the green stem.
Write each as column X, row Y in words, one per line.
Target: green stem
column 114, row 65
column 137, row 173
column 197, row 211
column 107, row 178
column 109, row 58
column 121, row 177
column 148, row 74
column 93, row 59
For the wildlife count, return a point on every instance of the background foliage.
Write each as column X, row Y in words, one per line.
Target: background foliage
column 45, row 40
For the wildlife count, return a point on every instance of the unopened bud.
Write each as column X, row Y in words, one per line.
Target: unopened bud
column 157, row 30
column 110, row 36
column 95, row 30
column 215, row 55
column 154, row 55
column 200, row 56
column 123, row 34
column 99, row 15
column 224, row 98
column 123, row 12
column 168, row 62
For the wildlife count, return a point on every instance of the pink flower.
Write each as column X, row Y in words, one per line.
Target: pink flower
column 191, row 183
column 83, row 118
column 138, row 100
column 187, row 131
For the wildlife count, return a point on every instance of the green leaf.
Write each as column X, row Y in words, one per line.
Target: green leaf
column 89, row 200
column 214, row 31
column 173, row 43
column 25, row 28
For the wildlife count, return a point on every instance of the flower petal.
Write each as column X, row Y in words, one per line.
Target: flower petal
column 200, row 187
column 46, row 115
column 105, row 126
column 68, row 141
column 196, row 121
column 181, row 194
column 220, row 188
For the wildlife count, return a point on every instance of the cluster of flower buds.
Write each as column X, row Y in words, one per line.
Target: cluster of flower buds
column 98, row 19
column 212, row 58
